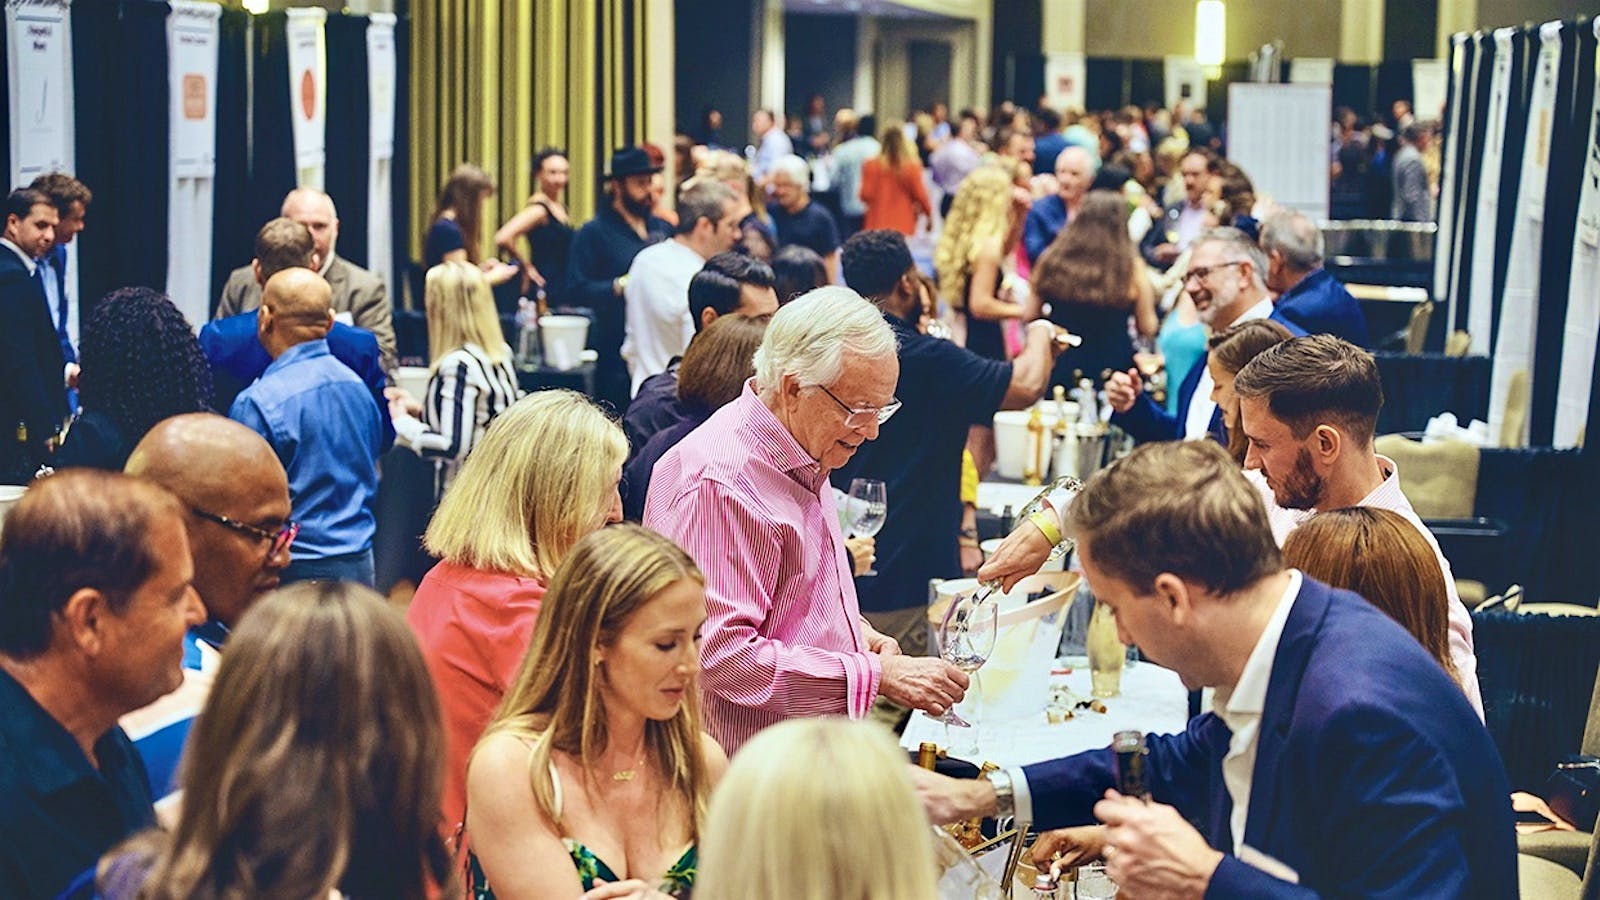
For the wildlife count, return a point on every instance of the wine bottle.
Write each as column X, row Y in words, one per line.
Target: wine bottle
column 928, row 755
column 1052, row 501
column 1033, row 468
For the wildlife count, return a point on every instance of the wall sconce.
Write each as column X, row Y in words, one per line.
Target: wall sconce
column 1210, row 35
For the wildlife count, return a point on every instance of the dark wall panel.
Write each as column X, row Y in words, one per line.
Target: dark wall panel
column 819, row 57
column 714, row 65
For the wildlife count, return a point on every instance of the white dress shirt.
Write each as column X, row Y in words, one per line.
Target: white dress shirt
column 657, row 307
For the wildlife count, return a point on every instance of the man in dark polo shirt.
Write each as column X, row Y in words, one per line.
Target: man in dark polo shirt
column 796, row 220
column 943, row 389
column 95, row 599
column 597, row 273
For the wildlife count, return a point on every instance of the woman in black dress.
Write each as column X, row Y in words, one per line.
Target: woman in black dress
column 453, row 233
column 1094, row 280
column 549, row 230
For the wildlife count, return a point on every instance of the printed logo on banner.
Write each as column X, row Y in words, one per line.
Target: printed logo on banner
column 308, row 95
column 194, row 96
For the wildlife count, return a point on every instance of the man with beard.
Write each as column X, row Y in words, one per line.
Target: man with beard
column 1310, row 409
column 1226, row 280
column 602, row 251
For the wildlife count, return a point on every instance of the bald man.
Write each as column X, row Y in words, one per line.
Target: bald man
column 235, row 497
column 358, row 295
column 323, row 426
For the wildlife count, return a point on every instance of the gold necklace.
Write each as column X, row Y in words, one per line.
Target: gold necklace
column 628, row 774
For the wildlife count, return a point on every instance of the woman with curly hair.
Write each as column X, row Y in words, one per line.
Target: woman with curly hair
column 979, row 235
column 1093, row 279
column 141, row 364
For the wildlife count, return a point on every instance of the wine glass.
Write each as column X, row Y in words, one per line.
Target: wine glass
column 866, row 508
column 966, row 638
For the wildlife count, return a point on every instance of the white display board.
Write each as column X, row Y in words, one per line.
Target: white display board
column 1480, row 302
column 193, row 42
column 1311, row 70
column 1278, row 134
column 1428, row 88
column 381, row 73
column 308, row 89
column 1582, row 330
column 1185, row 82
column 1447, row 248
column 39, row 65
column 1063, row 80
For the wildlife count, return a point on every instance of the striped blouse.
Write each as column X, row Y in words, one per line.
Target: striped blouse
column 466, row 391
column 782, row 636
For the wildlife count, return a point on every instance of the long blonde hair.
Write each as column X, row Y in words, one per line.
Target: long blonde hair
column 314, row 767
column 556, row 704
column 817, row 809
column 461, row 311
column 542, row 477
column 979, row 221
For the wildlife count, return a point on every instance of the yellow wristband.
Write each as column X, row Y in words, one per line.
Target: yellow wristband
column 1047, row 525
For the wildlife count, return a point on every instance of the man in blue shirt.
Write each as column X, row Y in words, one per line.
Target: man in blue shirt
column 97, row 601
column 797, row 220
column 943, row 390
column 1307, row 295
column 324, row 426
column 71, row 198
column 1075, row 171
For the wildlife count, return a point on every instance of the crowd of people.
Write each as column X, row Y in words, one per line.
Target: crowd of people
column 646, row 620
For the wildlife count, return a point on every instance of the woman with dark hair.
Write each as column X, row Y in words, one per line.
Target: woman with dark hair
column 1228, row 353
column 1094, row 280
column 453, row 230
column 796, row 270
column 313, row 771
column 1384, row 558
column 140, row 364
column 548, row 227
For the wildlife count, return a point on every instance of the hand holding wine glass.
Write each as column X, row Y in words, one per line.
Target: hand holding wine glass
column 966, row 638
column 866, row 508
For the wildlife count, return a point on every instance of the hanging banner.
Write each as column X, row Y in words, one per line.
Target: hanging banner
column 1446, row 245
column 1428, row 88
column 1064, row 75
column 39, row 66
column 1519, row 305
column 1582, row 330
column 1480, row 305
column 1185, row 82
column 1310, row 70
column 381, row 74
column 193, row 45
column 308, row 85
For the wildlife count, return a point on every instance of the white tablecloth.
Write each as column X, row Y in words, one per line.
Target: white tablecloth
column 1153, row 701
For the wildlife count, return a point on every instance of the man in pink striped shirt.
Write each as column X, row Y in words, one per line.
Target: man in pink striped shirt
column 747, row 495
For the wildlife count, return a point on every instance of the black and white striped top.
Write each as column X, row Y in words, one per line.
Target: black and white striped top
column 465, row 393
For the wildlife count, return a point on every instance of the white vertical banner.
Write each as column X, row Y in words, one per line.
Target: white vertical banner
column 1582, row 330
column 1185, row 82
column 1064, row 75
column 39, row 66
column 381, row 74
column 1446, row 246
column 308, row 87
column 1519, row 303
column 1279, row 134
column 193, row 42
column 1480, row 302
column 1428, row 88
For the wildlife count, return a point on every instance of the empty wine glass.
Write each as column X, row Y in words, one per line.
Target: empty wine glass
column 866, row 508
column 966, row 638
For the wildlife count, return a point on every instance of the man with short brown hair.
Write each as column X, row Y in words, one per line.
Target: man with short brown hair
column 71, row 198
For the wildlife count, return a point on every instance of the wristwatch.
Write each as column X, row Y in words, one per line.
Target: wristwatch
column 1004, row 799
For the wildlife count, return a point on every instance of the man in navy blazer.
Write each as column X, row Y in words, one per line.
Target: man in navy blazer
column 1226, row 281
column 33, row 372
column 1308, row 296
column 1339, row 759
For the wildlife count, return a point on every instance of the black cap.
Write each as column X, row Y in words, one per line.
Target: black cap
column 631, row 161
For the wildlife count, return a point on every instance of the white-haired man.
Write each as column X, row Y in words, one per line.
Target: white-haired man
column 746, row 494
column 357, row 293
column 796, row 220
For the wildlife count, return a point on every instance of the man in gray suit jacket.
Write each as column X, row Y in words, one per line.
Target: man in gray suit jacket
column 356, row 291
column 1413, row 202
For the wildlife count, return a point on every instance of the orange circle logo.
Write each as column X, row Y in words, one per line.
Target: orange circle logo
column 308, row 94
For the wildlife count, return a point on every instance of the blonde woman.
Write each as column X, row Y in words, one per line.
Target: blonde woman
column 593, row 778
column 313, row 771
column 979, row 234
column 543, row 477
column 472, row 379
column 817, row 809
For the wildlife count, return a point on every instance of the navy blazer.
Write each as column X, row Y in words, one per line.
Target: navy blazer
column 32, row 386
column 1373, row 776
column 1146, row 421
column 237, row 359
column 1320, row 304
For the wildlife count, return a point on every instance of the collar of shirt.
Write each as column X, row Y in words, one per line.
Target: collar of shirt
column 1387, row 495
column 27, row 260
column 1261, row 310
column 327, row 264
column 1248, row 698
column 775, row 442
column 43, row 748
column 298, row 352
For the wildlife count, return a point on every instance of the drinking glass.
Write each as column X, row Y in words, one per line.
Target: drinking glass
column 966, row 638
column 1093, row 883
column 866, row 508
column 1107, row 655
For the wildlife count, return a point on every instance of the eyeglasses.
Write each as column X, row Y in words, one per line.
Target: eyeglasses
column 280, row 539
column 856, row 418
column 1204, row 272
